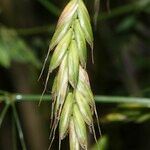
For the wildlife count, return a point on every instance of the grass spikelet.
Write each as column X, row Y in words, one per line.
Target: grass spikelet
column 60, row 51
column 80, row 127
column 73, row 64
column 84, row 108
column 59, row 34
column 65, row 116
column 74, row 143
column 68, row 12
column 72, row 99
column 85, row 23
column 81, row 43
column 64, row 23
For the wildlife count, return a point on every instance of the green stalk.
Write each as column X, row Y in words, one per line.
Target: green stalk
column 19, row 127
column 3, row 113
column 14, row 137
column 99, row 99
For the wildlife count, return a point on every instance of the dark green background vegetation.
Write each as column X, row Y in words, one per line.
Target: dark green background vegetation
column 121, row 68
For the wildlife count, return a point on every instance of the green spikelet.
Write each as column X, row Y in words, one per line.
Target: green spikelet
column 73, row 102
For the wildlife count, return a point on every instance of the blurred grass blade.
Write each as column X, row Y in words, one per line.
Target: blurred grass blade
column 3, row 113
column 143, row 118
column 16, row 117
column 50, row 7
column 4, row 57
column 14, row 48
column 102, row 143
column 14, row 134
column 96, row 11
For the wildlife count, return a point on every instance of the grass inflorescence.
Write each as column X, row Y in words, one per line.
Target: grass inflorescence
column 73, row 102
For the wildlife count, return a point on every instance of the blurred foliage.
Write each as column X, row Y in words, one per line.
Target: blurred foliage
column 13, row 48
column 102, row 143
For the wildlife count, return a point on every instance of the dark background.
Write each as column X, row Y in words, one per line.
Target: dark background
column 121, row 68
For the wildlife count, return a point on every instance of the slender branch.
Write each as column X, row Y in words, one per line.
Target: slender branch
column 19, row 127
column 98, row 99
column 14, row 132
column 3, row 113
column 121, row 99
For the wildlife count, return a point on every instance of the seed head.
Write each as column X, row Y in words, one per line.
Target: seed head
column 73, row 101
